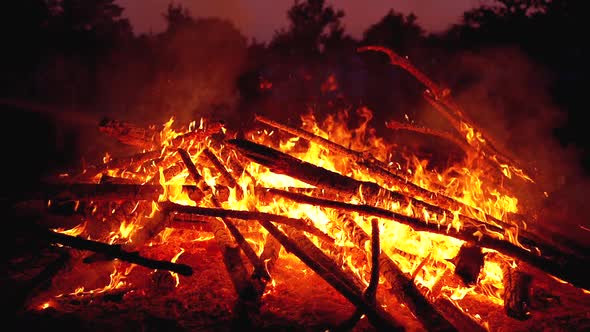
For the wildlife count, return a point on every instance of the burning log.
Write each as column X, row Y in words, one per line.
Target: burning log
column 229, row 179
column 313, row 257
column 570, row 271
column 199, row 135
column 127, row 133
column 149, row 138
column 517, row 292
column 270, row 254
column 123, row 162
column 380, row 170
column 371, row 290
column 114, row 252
column 301, row 224
column 428, row 131
column 254, row 259
column 469, row 262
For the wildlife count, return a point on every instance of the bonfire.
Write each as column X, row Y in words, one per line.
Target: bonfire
column 320, row 226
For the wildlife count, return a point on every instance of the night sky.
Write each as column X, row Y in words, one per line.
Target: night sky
column 261, row 18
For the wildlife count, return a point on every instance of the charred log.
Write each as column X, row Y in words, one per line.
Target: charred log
column 315, row 259
column 114, row 252
column 569, row 270
column 130, row 134
column 469, row 262
column 517, row 293
column 461, row 320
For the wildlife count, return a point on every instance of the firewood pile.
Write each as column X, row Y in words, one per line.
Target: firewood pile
column 220, row 226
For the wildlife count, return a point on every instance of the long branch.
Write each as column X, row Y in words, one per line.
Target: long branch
column 301, row 224
column 332, row 274
column 115, row 252
column 217, row 226
column 568, row 270
column 457, row 117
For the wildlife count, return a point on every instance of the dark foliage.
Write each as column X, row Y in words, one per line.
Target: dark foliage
column 517, row 66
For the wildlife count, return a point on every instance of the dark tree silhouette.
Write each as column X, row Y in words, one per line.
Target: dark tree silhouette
column 24, row 34
column 91, row 26
column 397, row 31
column 176, row 17
column 312, row 23
column 550, row 34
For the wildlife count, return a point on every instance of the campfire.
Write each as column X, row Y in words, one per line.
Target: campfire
column 318, row 226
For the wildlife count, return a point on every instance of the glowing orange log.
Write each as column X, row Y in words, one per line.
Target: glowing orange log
column 129, row 162
column 469, row 262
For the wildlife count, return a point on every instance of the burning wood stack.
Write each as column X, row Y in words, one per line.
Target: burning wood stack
column 372, row 223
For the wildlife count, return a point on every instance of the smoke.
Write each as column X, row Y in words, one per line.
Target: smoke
column 187, row 75
column 508, row 95
column 193, row 74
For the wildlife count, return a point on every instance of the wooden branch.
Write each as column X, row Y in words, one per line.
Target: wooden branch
column 301, row 224
column 395, row 125
column 469, row 262
column 127, row 162
column 371, row 290
column 130, row 134
column 218, row 227
column 229, row 179
column 404, row 63
column 570, row 270
column 332, row 274
column 517, row 292
column 474, row 135
column 115, row 252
